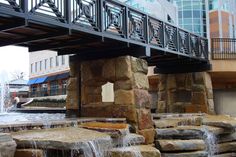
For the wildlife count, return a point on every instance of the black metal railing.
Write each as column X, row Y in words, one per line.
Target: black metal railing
column 223, row 48
column 47, row 93
column 113, row 19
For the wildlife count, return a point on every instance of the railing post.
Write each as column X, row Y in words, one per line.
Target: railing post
column 100, row 15
column 67, row 10
column 127, row 22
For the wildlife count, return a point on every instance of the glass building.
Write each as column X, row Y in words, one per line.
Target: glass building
column 192, row 15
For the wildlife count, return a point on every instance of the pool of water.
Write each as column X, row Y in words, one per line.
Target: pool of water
column 10, row 118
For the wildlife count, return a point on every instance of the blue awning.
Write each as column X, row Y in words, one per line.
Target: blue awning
column 32, row 81
column 40, row 80
column 63, row 76
column 51, row 78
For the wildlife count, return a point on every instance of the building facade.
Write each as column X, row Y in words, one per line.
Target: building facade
column 48, row 74
column 193, row 15
column 161, row 9
column 222, row 14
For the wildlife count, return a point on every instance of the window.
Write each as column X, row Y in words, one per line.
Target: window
column 36, row 67
column 108, row 92
column 57, row 61
column 40, row 65
column 62, row 60
column 31, row 67
column 51, row 62
column 54, row 88
column 45, row 64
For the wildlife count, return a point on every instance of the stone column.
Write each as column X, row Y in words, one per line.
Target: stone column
column 72, row 100
column 185, row 93
column 131, row 97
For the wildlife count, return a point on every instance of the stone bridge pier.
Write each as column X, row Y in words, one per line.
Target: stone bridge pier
column 128, row 85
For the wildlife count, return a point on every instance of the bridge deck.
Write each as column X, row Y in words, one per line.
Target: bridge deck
column 100, row 28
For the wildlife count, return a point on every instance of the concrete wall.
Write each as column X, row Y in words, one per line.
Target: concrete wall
column 225, row 101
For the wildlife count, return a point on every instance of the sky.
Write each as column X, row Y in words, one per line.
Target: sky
column 13, row 59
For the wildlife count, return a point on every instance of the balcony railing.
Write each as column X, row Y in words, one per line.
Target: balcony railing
column 223, row 48
column 48, row 93
column 111, row 19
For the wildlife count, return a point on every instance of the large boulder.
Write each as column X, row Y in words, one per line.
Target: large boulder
column 7, row 145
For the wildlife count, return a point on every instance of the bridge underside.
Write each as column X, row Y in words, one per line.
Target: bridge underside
column 170, row 49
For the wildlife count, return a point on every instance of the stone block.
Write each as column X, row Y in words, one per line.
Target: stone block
column 181, row 80
column 140, row 81
column 149, row 135
column 199, row 98
column 7, row 145
column 139, row 65
column 171, row 82
column 123, row 68
column 72, row 84
column 162, row 96
column 142, row 98
column 72, row 100
column 109, row 70
column 94, row 98
column 125, row 84
column 92, row 89
column 124, row 97
column 187, row 154
column 144, row 119
column 198, row 88
column 73, row 69
column 135, row 151
column 161, row 107
column 29, row 153
column 198, row 78
column 180, row 145
column 209, row 93
column 211, row 106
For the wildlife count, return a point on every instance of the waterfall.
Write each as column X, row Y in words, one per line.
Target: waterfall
column 211, row 142
column 4, row 92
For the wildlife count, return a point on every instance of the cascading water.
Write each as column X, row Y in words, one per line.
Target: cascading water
column 211, row 142
column 4, row 92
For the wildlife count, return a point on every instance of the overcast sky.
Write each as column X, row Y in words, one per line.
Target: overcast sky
column 13, row 59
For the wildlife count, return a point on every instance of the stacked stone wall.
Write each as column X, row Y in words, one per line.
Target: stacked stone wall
column 131, row 97
column 185, row 93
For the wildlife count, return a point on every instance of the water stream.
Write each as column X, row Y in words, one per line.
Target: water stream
column 211, row 142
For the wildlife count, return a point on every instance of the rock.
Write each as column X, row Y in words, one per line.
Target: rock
column 140, row 81
column 220, row 121
column 109, row 70
column 72, row 84
column 7, row 145
column 226, row 155
column 180, row 145
column 124, row 97
column 134, row 151
column 226, row 147
column 72, row 100
column 115, row 130
column 129, row 140
column 148, row 134
column 125, row 85
column 144, row 119
column 174, row 133
column 123, row 68
column 139, row 65
column 227, row 138
column 142, row 98
column 29, row 153
column 62, row 139
column 186, row 154
column 199, row 98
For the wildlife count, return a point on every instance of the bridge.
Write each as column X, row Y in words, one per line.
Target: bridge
column 95, row 29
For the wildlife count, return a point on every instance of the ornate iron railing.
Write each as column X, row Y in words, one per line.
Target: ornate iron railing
column 111, row 19
column 223, row 48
